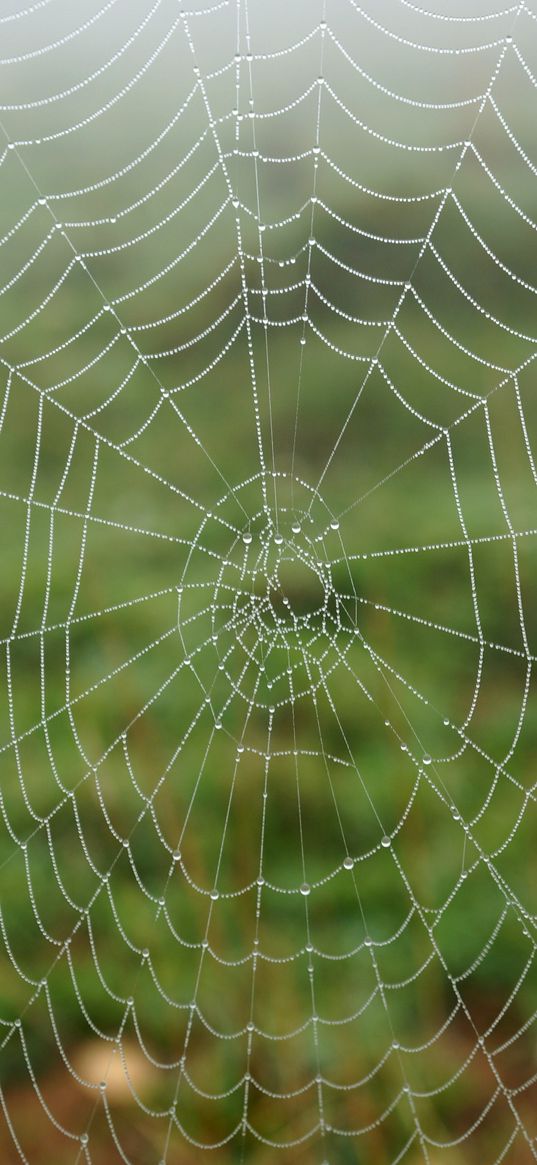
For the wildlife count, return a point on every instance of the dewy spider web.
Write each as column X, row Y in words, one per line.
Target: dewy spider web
column 268, row 512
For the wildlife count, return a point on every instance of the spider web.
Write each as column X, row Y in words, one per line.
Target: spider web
column 268, row 511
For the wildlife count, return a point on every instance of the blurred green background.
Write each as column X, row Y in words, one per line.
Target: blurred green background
column 122, row 430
